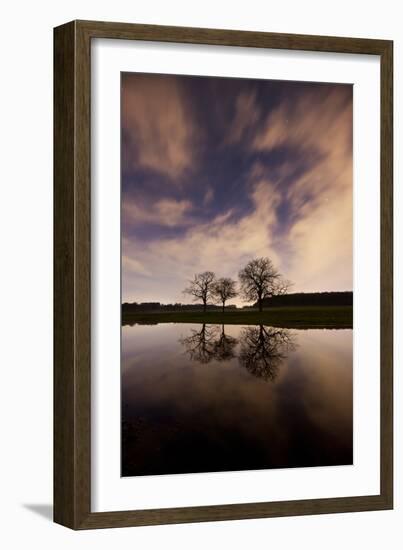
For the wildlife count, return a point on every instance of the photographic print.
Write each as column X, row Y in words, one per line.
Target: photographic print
column 237, row 274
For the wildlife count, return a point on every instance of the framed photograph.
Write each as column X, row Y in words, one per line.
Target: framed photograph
column 222, row 275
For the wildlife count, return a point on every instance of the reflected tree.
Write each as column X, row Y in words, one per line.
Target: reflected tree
column 225, row 346
column 210, row 343
column 201, row 344
column 263, row 349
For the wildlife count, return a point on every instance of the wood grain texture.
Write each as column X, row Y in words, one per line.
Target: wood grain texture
column 64, row 381
column 387, row 273
column 72, row 259
column 72, row 269
column 220, row 37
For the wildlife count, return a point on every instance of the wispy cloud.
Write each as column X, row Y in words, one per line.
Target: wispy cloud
column 319, row 242
column 290, row 197
column 221, row 245
column 165, row 212
column 158, row 128
column 247, row 115
column 208, row 196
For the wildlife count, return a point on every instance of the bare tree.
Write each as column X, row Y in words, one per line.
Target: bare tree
column 225, row 346
column 224, row 289
column 263, row 349
column 201, row 287
column 260, row 279
column 207, row 344
column 201, row 344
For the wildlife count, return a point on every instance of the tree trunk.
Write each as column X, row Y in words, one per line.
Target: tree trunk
column 204, row 306
column 260, row 304
column 223, row 306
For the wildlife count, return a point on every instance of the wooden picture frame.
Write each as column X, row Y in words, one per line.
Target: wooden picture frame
column 72, row 270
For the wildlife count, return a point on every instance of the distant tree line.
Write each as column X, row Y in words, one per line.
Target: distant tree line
column 259, row 283
column 344, row 298
column 157, row 306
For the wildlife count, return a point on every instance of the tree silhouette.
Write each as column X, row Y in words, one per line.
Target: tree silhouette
column 201, row 287
column 201, row 344
column 209, row 343
column 224, row 289
column 224, row 347
column 263, row 349
column 260, row 279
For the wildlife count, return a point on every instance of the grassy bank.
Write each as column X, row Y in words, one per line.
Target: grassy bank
column 287, row 317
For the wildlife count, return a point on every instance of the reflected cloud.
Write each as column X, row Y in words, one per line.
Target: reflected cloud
column 179, row 415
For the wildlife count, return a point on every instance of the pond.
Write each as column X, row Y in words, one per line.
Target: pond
column 208, row 398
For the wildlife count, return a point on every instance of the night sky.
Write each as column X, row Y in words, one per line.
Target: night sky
column 218, row 171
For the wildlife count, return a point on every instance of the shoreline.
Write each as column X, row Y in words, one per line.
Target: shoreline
column 303, row 317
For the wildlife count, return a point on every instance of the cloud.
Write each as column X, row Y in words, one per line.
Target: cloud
column 159, row 133
column 209, row 196
column 247, row 114
column 319, row 241
column 131, row 265
column 310, row 122
column 164, row 212
column 300, row 212
column 222, row 245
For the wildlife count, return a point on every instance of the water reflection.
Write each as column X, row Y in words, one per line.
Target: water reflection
column 225, row 346
column 201, row 344
column 262, row 348
column 209, row 342
column 179, row 418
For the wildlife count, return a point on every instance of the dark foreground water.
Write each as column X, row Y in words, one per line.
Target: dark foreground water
column 205, row 398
